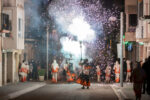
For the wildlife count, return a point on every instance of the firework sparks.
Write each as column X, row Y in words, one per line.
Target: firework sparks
column 87, row 20
column 81, row 29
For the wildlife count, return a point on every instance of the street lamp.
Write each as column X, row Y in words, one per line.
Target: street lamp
column 47, row 46
column 121, row 55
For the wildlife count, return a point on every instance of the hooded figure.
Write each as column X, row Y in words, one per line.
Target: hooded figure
column 108, row 74
column 128, row 71
column 98, row 71
column 84, row 78
column 117, row 71
column 55, row 68
column 24, row 71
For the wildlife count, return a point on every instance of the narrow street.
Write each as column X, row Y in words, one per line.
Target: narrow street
column 50, row 48
column 70, row 92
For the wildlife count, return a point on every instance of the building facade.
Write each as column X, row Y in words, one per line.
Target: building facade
column 0, row 46
column 143, row 29
column 130, row 30
column 137, row 32
column 13, row 44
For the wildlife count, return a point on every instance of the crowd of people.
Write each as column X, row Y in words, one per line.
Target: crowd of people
column 86, row 71
column 28, row 70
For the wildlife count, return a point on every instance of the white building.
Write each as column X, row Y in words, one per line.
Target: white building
column 143, row 29
column 130, row 28
column 14, row 44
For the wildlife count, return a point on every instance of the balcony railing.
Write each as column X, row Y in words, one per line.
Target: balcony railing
column 131, row 29
column 146, row 17
column 130, row 36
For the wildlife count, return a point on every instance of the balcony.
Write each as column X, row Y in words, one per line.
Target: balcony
column 130, row 36
column 146, row 18
column 139, row 30
column 132, row 29
column 140, row 35
column 143, row 40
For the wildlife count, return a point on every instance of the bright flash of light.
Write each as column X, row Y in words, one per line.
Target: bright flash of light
column 81, row 29
column 72, row 47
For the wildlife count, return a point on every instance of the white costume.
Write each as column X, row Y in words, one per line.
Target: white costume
column 108, row 73
column 128, row 71
column 24, row 71
column 98, row 71
column 55, row 68
column 117, row 71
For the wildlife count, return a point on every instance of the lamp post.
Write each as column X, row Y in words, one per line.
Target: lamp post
column 121, row 42
column 121, row 55
column 81, row 49
column 47, row 46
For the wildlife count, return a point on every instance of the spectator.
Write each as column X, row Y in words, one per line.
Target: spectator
column 124, row 69
column 138, row 77
column 30, row 71
column 144, row 65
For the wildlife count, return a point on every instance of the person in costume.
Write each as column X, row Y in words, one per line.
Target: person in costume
column 55, row 68
column 107, row 74
column 24, row 71
column 117, row 72
column 128, row 71
column 84, row 78
column 98, row 71
column 138, row 77
column 71, row 76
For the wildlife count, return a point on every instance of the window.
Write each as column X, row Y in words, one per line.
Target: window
column 148, row 51
column 19, row 27
column 132, row 20
column 141, row 9
column 19, row 23
column 142, row 32
column 5, row 21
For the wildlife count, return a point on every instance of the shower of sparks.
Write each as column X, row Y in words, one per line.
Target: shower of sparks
column 81, row 29
column 71, row 47
column 88, row 20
